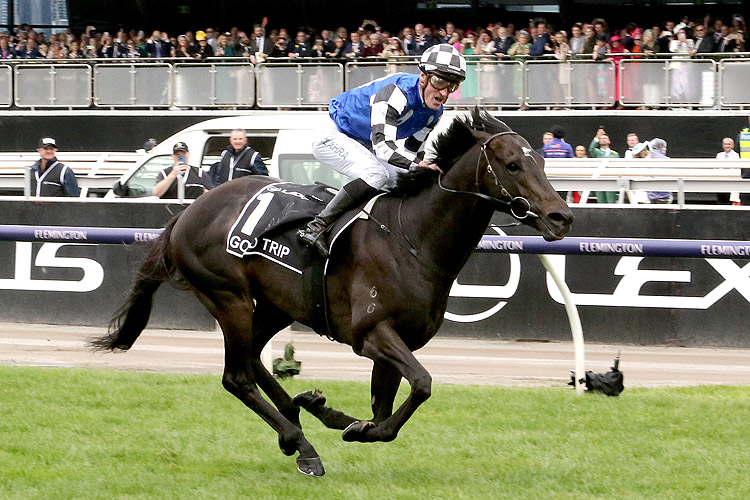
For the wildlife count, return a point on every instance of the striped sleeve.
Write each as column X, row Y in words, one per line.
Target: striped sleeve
column 387, row 107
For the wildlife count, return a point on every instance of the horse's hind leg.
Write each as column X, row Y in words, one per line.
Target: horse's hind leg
column 268, row 320
column 242, row 358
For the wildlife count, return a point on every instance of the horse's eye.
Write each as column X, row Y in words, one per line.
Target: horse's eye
column 512, row 167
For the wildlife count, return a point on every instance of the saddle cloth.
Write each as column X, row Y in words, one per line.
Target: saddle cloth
column 268, row 224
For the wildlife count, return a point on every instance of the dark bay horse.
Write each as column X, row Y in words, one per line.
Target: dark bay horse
column 387, row 290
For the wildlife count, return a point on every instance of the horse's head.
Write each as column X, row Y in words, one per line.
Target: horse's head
column 508, row 173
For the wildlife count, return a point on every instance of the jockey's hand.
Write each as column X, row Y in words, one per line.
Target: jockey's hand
column 431, row 166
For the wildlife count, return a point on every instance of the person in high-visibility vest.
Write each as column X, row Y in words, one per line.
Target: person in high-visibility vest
column 743, row 141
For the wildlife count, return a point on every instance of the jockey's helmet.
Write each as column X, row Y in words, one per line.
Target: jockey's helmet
column 444, row 60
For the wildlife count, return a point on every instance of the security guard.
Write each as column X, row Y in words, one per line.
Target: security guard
column 50, row 177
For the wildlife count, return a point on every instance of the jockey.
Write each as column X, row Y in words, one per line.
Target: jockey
column 379, row 129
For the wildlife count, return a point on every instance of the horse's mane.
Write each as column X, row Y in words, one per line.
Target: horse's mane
column 450, row 145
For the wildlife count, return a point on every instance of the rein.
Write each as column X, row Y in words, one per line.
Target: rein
column 519, row 207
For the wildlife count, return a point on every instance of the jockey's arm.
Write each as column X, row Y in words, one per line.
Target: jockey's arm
column 387, row 107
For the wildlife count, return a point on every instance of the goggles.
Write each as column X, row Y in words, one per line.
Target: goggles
column 441, row 83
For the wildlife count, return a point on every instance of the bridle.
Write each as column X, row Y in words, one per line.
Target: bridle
column 518, row 206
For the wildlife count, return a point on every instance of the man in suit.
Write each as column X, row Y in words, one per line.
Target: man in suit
column 704, row 44
column 157, row 47
column 261, row 45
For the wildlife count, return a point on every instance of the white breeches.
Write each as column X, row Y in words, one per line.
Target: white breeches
column 349, row 157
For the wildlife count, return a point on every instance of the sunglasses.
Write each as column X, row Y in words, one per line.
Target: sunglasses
column 441, row 83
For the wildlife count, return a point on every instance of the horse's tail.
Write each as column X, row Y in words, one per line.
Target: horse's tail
column 130, row 320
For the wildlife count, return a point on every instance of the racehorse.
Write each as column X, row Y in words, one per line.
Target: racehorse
column 387, row 281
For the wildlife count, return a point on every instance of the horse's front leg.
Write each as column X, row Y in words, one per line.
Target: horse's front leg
column 383, row 386
column 388, row 351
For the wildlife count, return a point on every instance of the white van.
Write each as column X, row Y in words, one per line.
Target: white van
column 283, row 138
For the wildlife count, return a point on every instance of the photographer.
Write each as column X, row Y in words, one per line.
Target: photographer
column 196, row 182
column 279, row 48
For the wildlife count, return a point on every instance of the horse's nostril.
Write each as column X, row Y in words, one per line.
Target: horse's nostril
column 561, row 218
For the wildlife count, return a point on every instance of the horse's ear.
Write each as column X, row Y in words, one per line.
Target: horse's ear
column 480, row 136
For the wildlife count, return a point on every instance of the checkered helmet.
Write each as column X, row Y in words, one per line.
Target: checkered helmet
column 444, row 60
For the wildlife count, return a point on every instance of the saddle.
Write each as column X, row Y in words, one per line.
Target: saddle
column 267, row 227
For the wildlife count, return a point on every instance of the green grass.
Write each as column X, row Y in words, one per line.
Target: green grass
column 89, row 434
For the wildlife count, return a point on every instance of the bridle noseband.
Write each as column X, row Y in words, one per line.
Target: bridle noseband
column 519, row 207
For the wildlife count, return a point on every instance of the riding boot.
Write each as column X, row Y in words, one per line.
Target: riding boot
column 352, row 194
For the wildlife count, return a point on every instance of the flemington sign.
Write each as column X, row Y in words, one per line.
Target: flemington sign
column 623, row 294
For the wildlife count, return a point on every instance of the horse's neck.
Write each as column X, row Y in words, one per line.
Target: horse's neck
column 447, row 226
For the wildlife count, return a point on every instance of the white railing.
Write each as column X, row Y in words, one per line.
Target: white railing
column 301, row 83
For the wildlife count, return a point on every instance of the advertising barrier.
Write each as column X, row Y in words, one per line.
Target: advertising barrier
column 67, row 281
column 690, row 289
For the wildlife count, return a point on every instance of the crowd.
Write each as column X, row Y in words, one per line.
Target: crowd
column 596, row 39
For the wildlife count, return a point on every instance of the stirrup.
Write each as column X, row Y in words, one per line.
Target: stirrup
column 315, row 236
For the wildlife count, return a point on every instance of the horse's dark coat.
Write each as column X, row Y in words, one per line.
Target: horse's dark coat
column 384, row 301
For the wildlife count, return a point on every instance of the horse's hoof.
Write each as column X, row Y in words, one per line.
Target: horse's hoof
column 311, row 466
column 357, row 431
column 308, row 399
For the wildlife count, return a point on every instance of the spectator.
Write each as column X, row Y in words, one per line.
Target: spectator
column 75, row 50
column 702, row 44
column 156, row 47
column 354, row 47
column 683, row 47
column 279, row 47
column 599, row 148
column 601, row 28
column 743, row 141
column 648, row 44
column 632, row 140
column 557, row 147
column 547, row 137
column 658, row 151
column 328, row 43
column 50, row 177
column 560, row 46
column 580, row 151
column 261, row 46
column 577, row 40
column 149, row 144
column 196, row 182
column 485, row 45
column 393, row 48
column 182, row 49
column 28, row 50
column 224, row 48
column 542, row 44
column 468, row 44
column 601, row 50
column 338, row 49
column 408, row 43
column 212, row 38
column 375, row 47
column 237, row 160
column 503, row 42
column 318, row 48
column 728, row 153
column 203, row 49
column 5, row 51
column 590, row 34
column 522, row 48
column 300, row 47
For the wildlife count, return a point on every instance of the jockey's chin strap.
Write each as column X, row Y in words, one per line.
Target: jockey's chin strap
column 518, row 206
